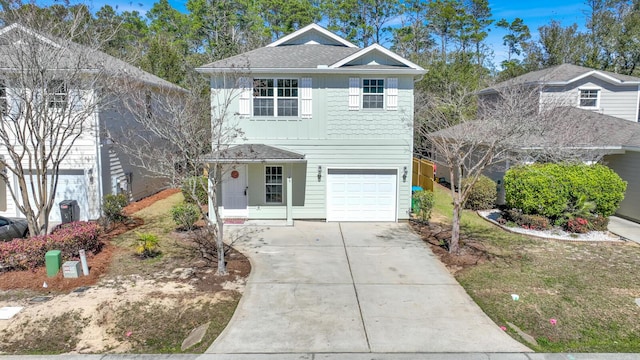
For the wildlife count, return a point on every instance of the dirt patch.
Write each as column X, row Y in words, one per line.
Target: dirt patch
column 146, row 202
column 472, row 252
column 151, row 307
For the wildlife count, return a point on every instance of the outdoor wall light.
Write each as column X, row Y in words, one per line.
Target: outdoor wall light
column 404, row 174
column 319, row 173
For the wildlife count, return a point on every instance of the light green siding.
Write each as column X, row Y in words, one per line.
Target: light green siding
column 334, row 137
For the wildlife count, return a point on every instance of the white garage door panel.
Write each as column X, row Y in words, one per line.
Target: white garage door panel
column 361, row 195
column 70, row 187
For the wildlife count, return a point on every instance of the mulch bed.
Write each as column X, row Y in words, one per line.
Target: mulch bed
column 99, row 263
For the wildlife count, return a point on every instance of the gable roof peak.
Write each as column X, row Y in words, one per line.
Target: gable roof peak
column 310, row 29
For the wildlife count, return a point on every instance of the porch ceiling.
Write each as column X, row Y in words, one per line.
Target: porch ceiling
column 253, row 153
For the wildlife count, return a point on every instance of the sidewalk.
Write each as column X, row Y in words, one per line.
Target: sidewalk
column 625, row 228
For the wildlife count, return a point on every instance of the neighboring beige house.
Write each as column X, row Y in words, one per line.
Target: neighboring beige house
column 328, row 130
column 608, row 103
column 93, row 167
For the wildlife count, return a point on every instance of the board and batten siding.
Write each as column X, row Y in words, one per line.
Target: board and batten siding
column 627, row 165
column 615, row 100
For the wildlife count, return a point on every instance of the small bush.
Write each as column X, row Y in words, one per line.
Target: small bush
column 23, row 254
column 195, row 190
column 526, row 221
column 424, row 202
column 599, row 223
column 578, row 225
column 147, row 245
column 112, row 206
column 185, row 215
column 483, row 194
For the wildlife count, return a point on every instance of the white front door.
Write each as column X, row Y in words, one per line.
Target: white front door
column 234, row 192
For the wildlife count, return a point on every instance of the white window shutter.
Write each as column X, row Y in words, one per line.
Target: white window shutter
column 306, row 91
column 354, row 93
column 244, row 103
column 392, row 94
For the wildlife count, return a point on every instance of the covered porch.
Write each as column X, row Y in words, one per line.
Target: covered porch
column 259, row 182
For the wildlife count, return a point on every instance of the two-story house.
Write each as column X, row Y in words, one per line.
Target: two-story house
column 608, row 106
column 64, row 95
column 327, row 130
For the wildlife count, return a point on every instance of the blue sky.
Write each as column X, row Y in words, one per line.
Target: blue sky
column 534, row 13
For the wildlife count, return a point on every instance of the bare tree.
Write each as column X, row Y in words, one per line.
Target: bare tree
column 470, row 136
column 175, row 130
column 50, row 91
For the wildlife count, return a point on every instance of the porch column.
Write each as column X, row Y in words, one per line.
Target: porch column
column 289, row 201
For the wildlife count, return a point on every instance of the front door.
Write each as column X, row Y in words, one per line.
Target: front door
column 234, row 192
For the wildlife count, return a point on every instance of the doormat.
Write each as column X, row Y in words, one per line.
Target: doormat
column 234, row 221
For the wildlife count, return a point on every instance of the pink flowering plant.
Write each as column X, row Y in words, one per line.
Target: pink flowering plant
column 23, row 254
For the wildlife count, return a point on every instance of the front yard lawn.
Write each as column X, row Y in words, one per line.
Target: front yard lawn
column 573, row 296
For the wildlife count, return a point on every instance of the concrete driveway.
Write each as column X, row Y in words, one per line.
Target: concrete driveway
column 352, row 287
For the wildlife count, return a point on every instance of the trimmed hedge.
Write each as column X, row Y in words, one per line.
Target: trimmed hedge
column 483, row 194
column 551, row 189
column 23, row 254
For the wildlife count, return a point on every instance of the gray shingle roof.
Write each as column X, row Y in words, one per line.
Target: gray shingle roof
column 289, row 56
column 94, row 59
column 559, row 73
column 253, row 153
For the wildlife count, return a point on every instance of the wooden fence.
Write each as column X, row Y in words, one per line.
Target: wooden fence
column 422, row 174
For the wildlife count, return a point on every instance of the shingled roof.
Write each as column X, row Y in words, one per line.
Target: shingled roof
column 94, row 59
column 248, row 153
column 562, row 75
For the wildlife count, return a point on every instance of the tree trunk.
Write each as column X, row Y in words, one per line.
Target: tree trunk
column 222, row 266
column 454, row 245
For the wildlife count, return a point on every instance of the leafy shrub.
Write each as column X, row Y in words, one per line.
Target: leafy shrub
column 195, row 190
column 527, row 221
column 185, row 215
column 112, row 206
column 598, row 223
column 578, row 225
column 147, row 245
column 424, row 202
column 22, row 254
column 552, row 190
column 483, row 194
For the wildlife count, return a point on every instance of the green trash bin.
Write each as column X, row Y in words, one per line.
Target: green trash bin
column 53, row 261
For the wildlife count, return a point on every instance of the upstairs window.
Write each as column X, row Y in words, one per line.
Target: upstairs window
column 373, row 94
column 4, row 101
column 589, row 98
column 57, row 94
column 273, row 97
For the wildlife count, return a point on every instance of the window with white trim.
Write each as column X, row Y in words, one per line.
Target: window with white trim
column 273, row 184
column 4, row 100
column 57, row 94
column 372, row 93
column 275, row 97
column 589, row 98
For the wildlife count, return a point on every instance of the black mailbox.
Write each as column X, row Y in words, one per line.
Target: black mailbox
column 69, row 211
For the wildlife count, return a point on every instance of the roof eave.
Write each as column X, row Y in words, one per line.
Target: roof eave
column 401, row 71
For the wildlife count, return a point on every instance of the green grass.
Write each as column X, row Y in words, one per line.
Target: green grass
column 589, row 288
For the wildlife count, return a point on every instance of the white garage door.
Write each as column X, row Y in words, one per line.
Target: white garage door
column 361, row 195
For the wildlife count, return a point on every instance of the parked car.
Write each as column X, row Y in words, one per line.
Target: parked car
column 12, row 228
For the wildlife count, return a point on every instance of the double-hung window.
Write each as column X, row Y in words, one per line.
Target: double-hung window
column 275, row 97
column 373, row 94
column 589, row 98
column 273, row 184
column 57, row 94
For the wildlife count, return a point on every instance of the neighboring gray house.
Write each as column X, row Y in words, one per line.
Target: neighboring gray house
column 328, row 130
column 606, row 102
column 94, row 167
